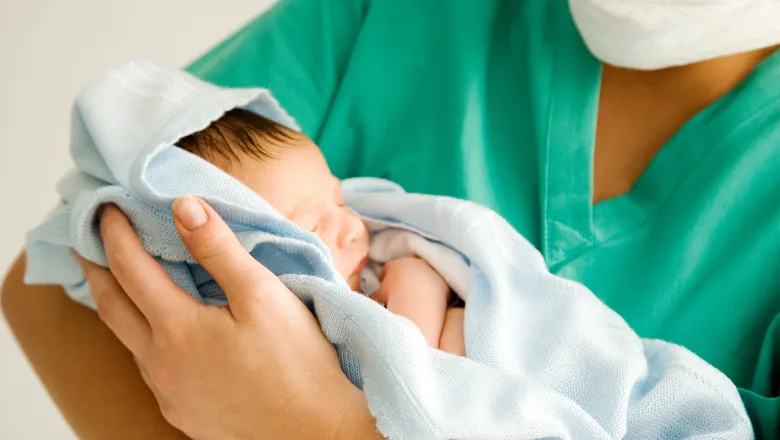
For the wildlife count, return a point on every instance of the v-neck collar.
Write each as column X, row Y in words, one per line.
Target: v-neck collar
column 567, row 223
column 571, row 223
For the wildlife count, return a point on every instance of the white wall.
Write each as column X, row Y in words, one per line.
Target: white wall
column 49, row 49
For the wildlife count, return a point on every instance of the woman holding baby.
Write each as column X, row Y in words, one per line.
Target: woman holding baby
column 633, row 143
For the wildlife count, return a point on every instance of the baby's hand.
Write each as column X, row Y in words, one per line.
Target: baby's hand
column 410, row 274
column 410, row 287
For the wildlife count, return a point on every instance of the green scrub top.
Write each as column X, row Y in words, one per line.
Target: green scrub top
column 496, row 101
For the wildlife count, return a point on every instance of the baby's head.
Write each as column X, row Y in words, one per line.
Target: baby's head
column 288, row 170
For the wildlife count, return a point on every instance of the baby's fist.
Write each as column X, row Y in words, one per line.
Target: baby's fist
column 408, row 274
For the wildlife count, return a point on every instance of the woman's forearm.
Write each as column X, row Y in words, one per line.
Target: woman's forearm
column 89, row 374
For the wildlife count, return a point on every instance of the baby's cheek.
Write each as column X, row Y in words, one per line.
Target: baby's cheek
column 340, row 263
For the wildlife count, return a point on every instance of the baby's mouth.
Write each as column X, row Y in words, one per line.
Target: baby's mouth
column 359, row 268
column 354, row 279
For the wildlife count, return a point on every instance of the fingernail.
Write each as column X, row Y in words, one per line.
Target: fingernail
column 189, row 212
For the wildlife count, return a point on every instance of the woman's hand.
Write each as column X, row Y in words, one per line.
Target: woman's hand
column 260, row 368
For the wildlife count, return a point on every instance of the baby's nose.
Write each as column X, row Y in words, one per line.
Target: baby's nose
column 351, row 230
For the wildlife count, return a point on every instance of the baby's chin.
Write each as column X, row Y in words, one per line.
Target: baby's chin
column 354, row 282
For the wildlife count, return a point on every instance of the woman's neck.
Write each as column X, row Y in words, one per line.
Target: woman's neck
column 639, row 111
column 696, row 86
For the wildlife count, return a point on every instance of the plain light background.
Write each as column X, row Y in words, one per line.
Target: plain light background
column 50, row 49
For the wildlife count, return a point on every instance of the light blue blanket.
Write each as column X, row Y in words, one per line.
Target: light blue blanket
column 546, row 359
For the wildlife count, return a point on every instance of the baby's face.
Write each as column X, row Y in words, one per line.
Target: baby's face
column 299, row 184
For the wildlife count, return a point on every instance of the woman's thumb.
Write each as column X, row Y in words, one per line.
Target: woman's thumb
column 211, row 242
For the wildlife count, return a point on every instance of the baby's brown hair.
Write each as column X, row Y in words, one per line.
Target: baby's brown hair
column 237, row 132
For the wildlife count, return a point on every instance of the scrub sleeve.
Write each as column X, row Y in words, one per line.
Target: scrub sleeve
column 496, row 101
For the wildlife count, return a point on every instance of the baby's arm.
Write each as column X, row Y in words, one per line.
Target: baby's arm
column 451, row 339
column 410, row 287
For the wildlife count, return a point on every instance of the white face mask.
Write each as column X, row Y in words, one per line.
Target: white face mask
column 653, row 34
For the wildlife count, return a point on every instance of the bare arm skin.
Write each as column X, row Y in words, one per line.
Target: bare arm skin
column 89, row 374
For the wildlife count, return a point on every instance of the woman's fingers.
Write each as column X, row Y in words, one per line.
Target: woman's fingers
column 198, row 361
column 115, row 309
column 217, row 249
column 145, row 376
column 146, row 283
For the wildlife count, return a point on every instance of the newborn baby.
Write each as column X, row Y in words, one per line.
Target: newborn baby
column 288, row 170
